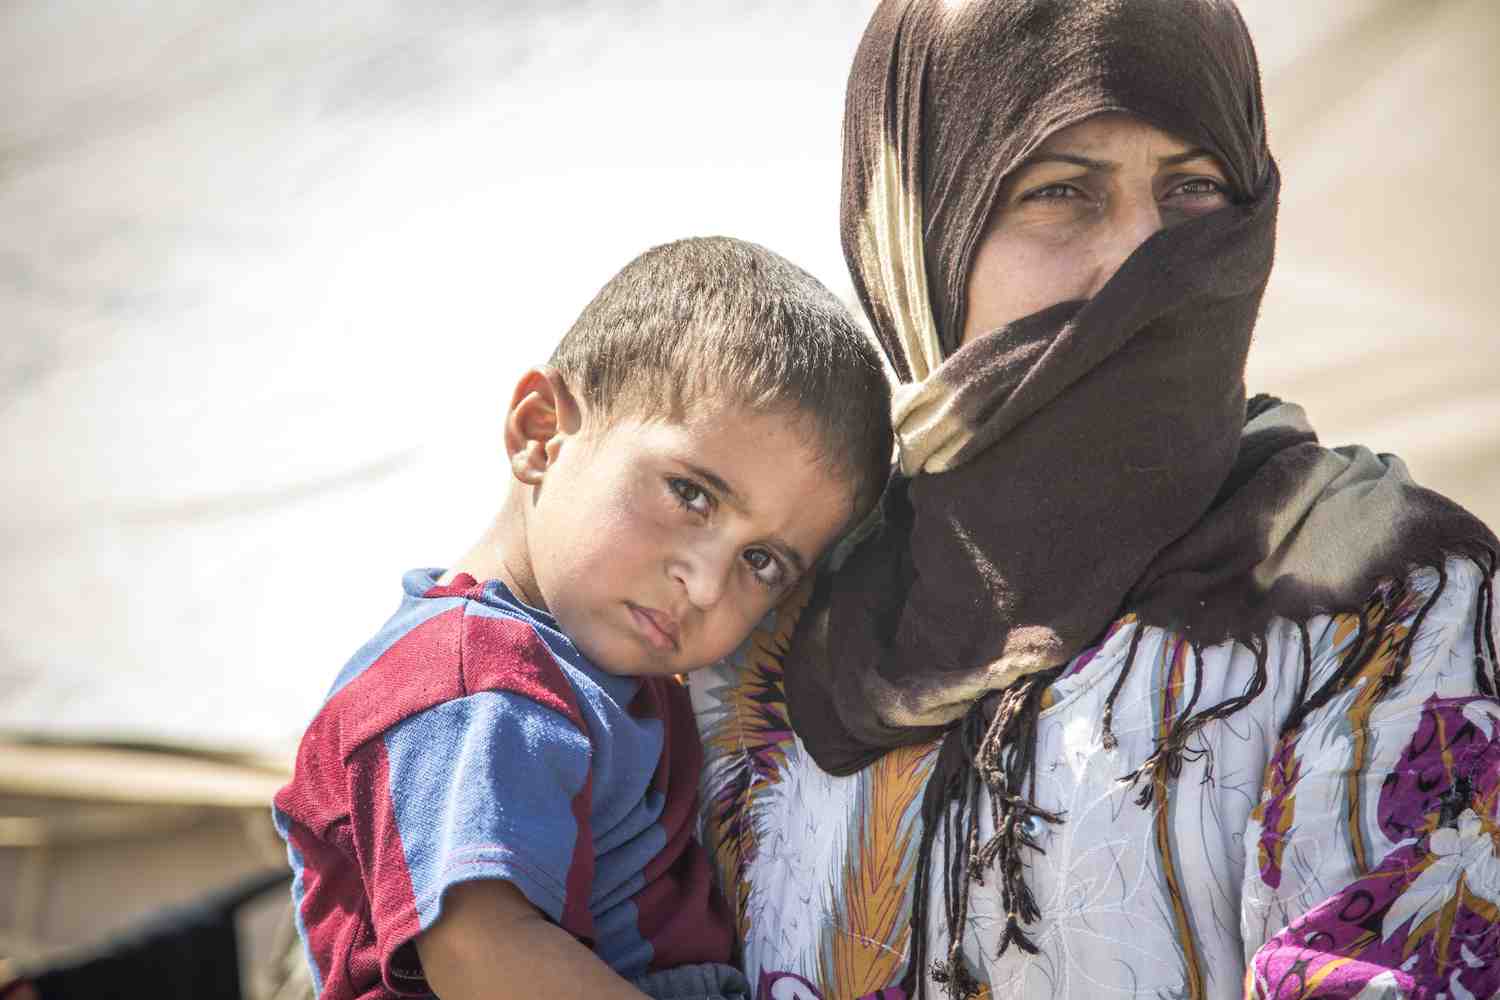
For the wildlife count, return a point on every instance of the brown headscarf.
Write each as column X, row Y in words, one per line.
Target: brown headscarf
column 1095, row 457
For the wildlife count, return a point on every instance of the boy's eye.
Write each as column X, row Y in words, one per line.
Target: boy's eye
column 690, row 495
column 765, row 567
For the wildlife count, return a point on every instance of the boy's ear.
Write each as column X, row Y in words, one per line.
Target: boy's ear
column 542, row 415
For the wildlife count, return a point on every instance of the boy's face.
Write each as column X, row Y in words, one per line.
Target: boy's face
column 658, row 546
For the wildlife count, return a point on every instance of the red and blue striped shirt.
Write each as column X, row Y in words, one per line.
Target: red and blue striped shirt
column 469, row 739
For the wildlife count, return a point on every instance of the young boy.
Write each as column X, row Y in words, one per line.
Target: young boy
column 499, row 796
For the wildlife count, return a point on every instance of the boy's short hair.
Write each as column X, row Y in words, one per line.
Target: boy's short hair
column 722, row 320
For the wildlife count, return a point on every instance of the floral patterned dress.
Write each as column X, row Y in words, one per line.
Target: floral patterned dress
column 1354, row 855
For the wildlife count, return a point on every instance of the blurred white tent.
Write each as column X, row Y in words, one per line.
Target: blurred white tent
column 267, row 272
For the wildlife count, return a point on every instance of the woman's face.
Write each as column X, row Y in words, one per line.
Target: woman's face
column 1069, row 215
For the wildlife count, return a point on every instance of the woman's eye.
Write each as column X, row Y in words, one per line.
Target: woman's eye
column 767, row 570
column 690, row 495
column 1053, row 192
column 1199, row 187
column 1195, row 196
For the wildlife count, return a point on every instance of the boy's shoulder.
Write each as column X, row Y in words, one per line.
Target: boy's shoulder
column 447, row 642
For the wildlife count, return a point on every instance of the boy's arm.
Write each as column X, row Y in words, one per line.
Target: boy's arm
column 490, row 943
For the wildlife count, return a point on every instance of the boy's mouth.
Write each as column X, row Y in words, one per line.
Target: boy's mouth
column 659, row 628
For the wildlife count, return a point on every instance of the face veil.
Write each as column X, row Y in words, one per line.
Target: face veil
column 1031, row 453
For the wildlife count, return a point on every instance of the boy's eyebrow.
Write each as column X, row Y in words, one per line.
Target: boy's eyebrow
column 727, row 492
column 720, row 486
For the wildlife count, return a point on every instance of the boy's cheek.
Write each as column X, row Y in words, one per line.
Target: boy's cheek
column 745, row 624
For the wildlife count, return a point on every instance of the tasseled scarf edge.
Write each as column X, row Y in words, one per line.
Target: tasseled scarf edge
column 992, row 750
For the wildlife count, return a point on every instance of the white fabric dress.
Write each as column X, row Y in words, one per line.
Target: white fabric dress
column 1358, row 855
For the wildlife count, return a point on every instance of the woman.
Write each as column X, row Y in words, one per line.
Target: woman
column 1137, row 690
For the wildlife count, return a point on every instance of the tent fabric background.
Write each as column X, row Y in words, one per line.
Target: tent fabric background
column 267, row 272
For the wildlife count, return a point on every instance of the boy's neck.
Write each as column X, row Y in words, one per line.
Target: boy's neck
column 502, row 554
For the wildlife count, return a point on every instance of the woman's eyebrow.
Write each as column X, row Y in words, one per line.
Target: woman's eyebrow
column 1187, row 155
column 1109, row 166
column 1047, row 156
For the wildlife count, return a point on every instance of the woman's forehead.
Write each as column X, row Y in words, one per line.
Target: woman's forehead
column 1108, row 129
column 1103, row 139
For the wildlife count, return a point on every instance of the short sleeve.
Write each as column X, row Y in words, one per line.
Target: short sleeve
column 488, row 786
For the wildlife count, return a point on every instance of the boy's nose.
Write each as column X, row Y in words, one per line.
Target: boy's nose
column 703, row 575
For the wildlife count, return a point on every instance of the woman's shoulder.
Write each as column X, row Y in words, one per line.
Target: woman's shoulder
column 1432, row 629
column 1429, row 634
column 1429, row 614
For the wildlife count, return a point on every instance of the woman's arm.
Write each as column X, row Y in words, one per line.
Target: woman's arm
column 491, row 943
column 1374, row 861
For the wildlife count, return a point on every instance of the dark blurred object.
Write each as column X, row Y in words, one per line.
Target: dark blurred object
column 183, row 953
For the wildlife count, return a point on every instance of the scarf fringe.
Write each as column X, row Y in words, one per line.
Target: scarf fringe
column 993, row 751
column 1488, row 681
